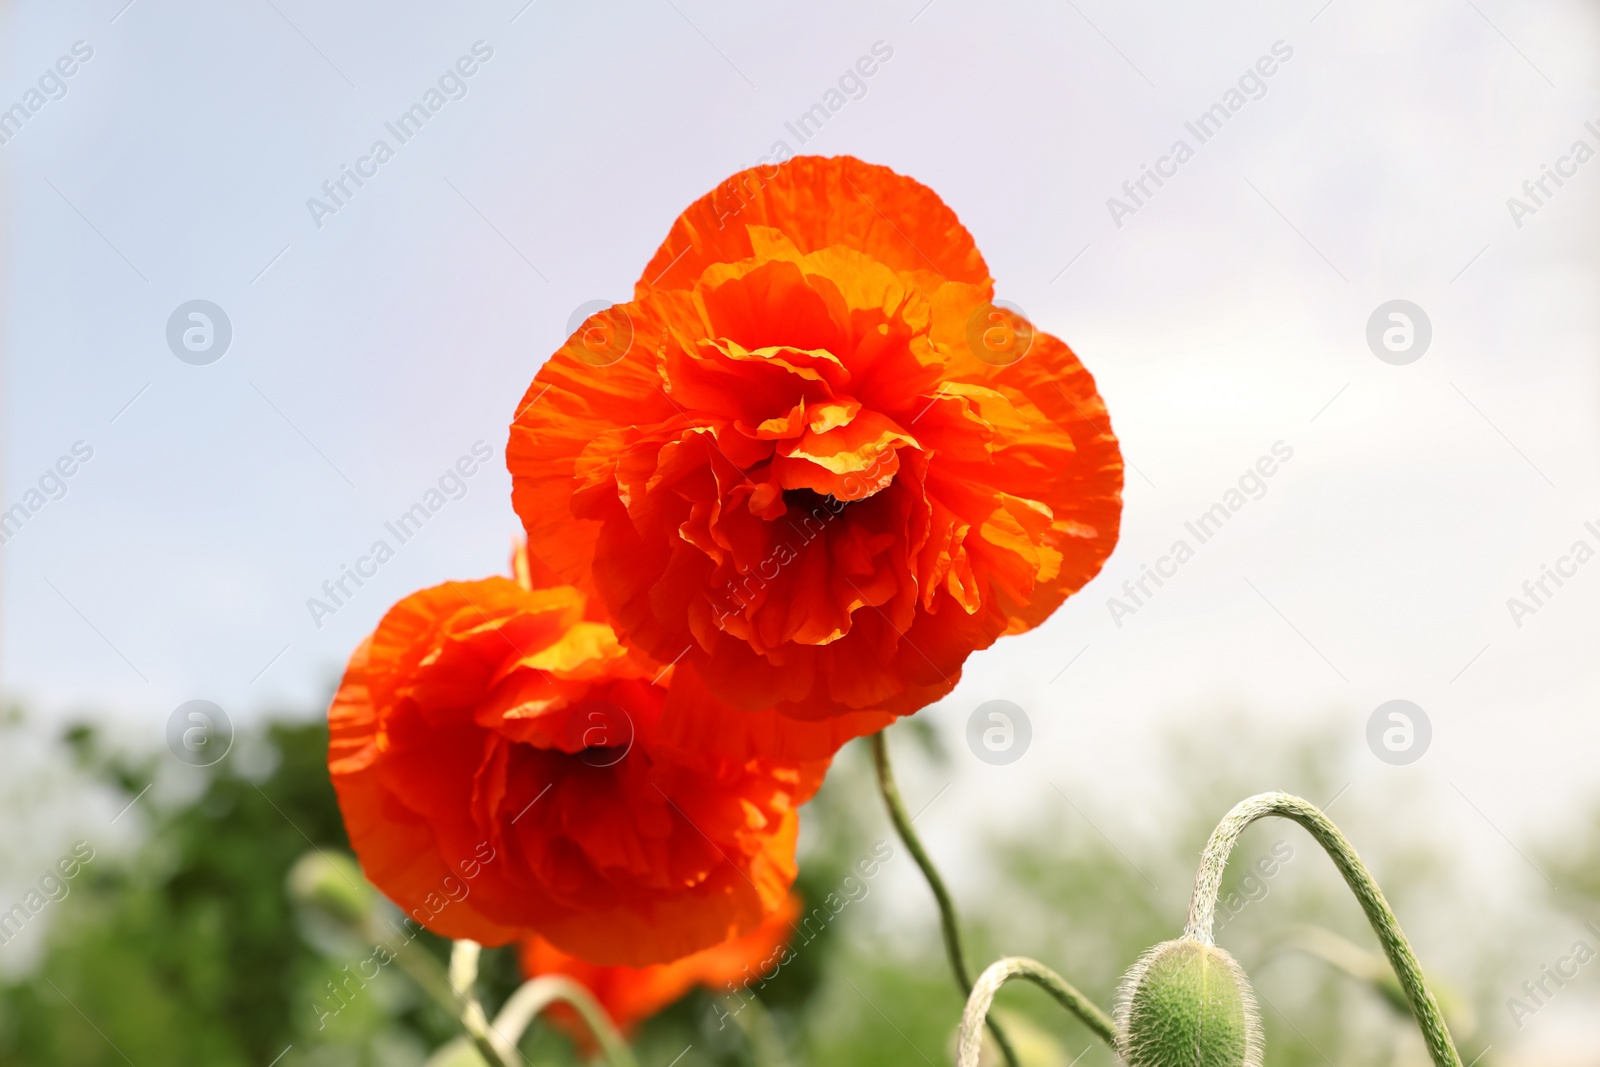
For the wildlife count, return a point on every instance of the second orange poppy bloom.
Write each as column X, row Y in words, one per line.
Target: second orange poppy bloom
column 811, row 462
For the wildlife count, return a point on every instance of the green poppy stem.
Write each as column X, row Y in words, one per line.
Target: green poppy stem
column 497, row 1042
column 463, row 975
column 998, row 973
column 1208, row 881
column 947, row 909
column 537, row 994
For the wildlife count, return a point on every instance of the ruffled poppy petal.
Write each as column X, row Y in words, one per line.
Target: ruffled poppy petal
column 400, row 854
column 817, row 202
column 696, row 720
column 1077, row 472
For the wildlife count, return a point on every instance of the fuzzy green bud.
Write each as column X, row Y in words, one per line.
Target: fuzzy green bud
column 332, row 883
column 1188, row 1004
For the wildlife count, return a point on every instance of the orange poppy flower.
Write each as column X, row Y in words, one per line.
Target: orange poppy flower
column 632, row 994
column 811, row 462
column 502, row 769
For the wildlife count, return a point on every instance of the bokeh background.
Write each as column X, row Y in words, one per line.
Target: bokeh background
column 1224, row 312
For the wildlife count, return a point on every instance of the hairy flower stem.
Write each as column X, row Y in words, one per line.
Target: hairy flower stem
column 1208, row 880
column 497, row 1042
column 463, row 976
column 537, row 994
column 947, row 909
column 998, row 973
column 760, row 1032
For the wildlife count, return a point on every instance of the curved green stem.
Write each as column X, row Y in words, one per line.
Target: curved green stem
column 970, row 1041
column 463, row 976
column 755, row 1023
column 947, row 909
column 1208, row 880
column 537, row 994
column 450, row 988
column 423, row 969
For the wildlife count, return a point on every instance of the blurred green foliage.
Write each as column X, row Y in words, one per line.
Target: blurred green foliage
column 190, row 950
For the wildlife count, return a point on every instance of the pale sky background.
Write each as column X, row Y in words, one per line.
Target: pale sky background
column 1227, row 314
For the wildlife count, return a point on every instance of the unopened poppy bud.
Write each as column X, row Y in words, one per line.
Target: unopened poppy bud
column 1188, row 1004
column 332, row 883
